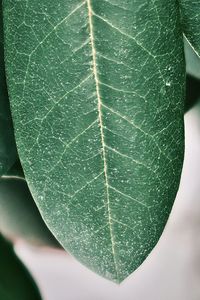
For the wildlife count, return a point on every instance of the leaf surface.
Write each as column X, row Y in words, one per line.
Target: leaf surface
column 15, row 281
column 97, row 96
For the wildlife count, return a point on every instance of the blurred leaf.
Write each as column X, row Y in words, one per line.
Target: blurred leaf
column 15, row 281
column 19, row 216
column 16, row 170
column 190, row 14
column 192, row 92
column 193, row 77
column 8, row 151
column 192, row 60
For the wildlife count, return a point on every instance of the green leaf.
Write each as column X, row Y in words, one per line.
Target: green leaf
column 192, row 92
column 15, row 281
column 190, row 14
column 19, row 216
column 193, row 76
column 192, row 61
column 16, row 170
column 7, row 143
column 97, row 95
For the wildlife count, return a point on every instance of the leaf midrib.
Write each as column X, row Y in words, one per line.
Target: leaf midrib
column 100, row 117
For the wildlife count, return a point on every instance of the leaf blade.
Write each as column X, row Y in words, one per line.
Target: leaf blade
column 106, row 140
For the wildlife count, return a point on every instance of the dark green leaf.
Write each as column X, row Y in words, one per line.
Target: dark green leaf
column 19, row 216
column 15, row 281
column 192, row 61
column 16, row 170
column 97, row 96
column 7, row 143
column 192, row 92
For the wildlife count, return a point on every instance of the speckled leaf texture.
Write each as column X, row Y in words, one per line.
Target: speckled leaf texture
column 190, row 13
column 97, row 96
column 7, row 143
column 15, row 281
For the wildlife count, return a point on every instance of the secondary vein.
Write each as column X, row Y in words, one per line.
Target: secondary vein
column 94, row 57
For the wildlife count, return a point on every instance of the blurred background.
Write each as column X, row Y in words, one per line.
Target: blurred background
column 172, row 270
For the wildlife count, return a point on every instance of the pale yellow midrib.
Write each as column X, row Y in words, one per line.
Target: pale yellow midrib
column 90, row 14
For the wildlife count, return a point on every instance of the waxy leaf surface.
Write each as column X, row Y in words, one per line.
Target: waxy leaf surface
column 97, row 96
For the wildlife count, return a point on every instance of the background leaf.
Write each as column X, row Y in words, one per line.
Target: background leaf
column 192, row 61
column 190, row 13
column 15, row 282
column 192, row 92
column 8, row 151
column 97, row 92
column 193, row 76
column 16, row 170
column 19, row 216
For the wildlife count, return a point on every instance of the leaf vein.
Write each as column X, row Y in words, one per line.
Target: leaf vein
column 67, row 146
column 94, row 57
column 127, row 196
